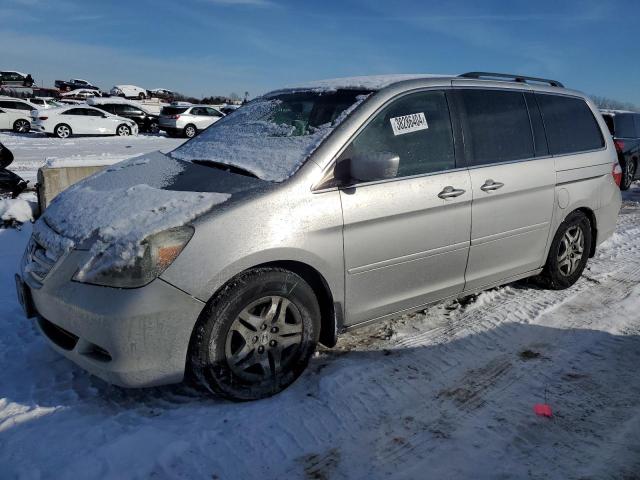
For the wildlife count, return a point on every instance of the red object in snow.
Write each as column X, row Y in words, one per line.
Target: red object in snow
column 543, row 410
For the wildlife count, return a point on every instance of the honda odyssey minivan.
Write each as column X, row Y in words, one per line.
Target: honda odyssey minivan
column 314, row 210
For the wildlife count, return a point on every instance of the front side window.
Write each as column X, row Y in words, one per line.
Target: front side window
column 417, row 128
column 570, row 124
column 23, row 106
column 272, row 136
column 496, row 126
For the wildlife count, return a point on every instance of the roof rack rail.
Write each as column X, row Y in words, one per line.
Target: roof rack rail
column 512, row 78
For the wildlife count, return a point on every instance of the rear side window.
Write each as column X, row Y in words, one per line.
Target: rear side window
column 497, row 126
column 417, row 128
column 608, row 119
column 625, row 125
column 570, row 124
column 173, row 110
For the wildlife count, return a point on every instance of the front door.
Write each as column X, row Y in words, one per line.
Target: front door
column 406, row 239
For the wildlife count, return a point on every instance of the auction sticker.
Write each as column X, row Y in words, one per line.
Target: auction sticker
column 409, row 123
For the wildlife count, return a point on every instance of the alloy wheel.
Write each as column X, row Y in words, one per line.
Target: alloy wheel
column 630, row 172
column 123, row 131
column 263, row 338
column 22, row 126
column 190, row 132
column 63, row 131
column 571, row 250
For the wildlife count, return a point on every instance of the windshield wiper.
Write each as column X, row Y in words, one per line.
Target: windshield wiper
column 225, row 167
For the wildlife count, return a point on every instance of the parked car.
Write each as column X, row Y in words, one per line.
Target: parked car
column 80, row 94
column 187, row 120
column 162, row 93
column 43, row 103
column 625, row 129
column 82, row 120
column 312, row 211
column 15, row 79
column 130, row 91
column 147, row 122
column 15, row 114
column 74, row 84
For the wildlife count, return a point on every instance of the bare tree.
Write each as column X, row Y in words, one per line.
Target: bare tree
column 611, row 104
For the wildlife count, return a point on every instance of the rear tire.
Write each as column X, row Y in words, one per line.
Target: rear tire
column 154, row 128
column 628, row 174
column 256, row 336
column 569, row 252
column 190, row 131
column 142, row 96
column 21, row 126
column 62, row 131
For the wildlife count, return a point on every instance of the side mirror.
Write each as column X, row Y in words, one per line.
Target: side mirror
column 374, row 166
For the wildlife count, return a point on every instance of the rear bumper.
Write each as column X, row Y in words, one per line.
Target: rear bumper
column 128, row 337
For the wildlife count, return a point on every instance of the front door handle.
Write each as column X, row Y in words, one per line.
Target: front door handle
column 450, row 192
column 490, row 186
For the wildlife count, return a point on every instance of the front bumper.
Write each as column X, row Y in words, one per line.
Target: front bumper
column 128, row 337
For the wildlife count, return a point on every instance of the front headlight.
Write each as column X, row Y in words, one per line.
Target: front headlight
column 158, row 252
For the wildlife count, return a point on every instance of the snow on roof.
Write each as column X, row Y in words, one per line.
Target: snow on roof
column 107, row 100
column 372, row 82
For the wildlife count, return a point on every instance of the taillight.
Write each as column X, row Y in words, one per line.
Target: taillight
column 43, row 118
column 174, row 117
column 617, row 173
column 619, row 145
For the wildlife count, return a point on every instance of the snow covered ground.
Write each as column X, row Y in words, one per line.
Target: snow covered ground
column 448, row 393
column 31, row 150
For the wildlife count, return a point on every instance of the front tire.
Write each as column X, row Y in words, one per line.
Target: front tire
column 256, row 336
column 628, row 174
column 21, row 126
column 123, row 130
column 142, row 96
column 569, row 252
column 62, row 131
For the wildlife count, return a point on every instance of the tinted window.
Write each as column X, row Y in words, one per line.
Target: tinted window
column 5, row 104
column 637, row 120
column 417, row 128
column 93, row 113
column 497, row 126
column 212, row 112
column 608, row 119
column 173, row 110
column 625, row 125
column 570, row 124
column 75, row 111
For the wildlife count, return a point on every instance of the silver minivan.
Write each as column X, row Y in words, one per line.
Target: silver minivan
column 312, row 211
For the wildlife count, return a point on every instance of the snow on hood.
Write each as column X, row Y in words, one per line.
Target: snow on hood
column 116, row 209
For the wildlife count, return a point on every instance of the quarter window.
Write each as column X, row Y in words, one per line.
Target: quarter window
column 417, row 128
column 570, row 124
column 497, row 126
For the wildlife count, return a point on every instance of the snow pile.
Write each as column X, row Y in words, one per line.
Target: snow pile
column 96, row 160
column 16, row 210
column 118, row 208
column 251, row 140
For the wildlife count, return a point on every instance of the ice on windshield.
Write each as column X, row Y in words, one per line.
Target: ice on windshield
column 271, row 137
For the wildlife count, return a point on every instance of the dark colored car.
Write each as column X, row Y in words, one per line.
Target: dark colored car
column 15, row 79
column 147, row 122
column 625, row 128
column 10, row 183
column 74, row 84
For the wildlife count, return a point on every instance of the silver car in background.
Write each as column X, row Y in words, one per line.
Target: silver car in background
column 316, row 210
column 188, row 120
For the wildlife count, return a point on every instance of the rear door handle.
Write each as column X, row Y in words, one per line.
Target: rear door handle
column 490, row 186
column 450, row 192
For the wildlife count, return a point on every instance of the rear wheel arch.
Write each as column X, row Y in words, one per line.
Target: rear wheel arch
column 591, row 216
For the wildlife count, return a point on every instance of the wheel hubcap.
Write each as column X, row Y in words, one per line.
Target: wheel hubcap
column 123, row 131
column 63, row 132
column 631, row 170
column 264, row 338
column 571, row 251
column 22, row 126
column 190, row 132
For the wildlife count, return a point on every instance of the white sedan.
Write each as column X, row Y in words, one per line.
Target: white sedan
column 81, row 120
column 17, row 120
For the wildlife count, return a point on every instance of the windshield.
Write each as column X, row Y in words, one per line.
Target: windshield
column 272, row 136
